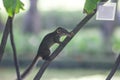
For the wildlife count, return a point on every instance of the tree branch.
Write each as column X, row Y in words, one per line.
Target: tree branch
column 60, row 48
column 117, row 62
column 14, row 50
column 4, row 37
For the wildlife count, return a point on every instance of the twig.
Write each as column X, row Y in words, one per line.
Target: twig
column 60, row 48
column 14, row 50
column 116, row 65
column 4, row 37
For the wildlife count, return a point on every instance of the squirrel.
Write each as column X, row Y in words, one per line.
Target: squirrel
column 44, row 48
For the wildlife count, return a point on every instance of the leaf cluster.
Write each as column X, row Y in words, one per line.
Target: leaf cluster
column 13, row 6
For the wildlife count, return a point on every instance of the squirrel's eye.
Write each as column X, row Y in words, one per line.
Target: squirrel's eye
column 58, row 31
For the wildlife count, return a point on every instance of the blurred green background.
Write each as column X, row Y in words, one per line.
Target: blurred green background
column 89, row 55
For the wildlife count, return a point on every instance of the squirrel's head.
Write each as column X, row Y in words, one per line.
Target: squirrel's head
column 62, row 32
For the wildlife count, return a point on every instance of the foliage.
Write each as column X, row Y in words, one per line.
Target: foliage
column 91, row 5
column 86, row 44
column 13, row 6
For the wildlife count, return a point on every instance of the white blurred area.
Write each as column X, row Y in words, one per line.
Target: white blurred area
column 92, row 77
column 70, row 5
column 46, row 5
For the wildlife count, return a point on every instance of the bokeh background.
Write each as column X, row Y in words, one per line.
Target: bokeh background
column 89, row 55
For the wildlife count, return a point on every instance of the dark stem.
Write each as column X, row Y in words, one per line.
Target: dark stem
column 60, row 48
column 4, row 37
column 14, row 50
column 117, row 62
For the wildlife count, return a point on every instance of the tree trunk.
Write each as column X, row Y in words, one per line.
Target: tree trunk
column 107, row 29
column 32, row 18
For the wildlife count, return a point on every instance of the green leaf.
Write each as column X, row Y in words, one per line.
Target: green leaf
column 19, row 6
column 13, row 6
column 90, row 6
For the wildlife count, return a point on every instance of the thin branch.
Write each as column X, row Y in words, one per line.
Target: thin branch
column 14, row 50
column 116, row 65
column 60, row 48
column 4, row 37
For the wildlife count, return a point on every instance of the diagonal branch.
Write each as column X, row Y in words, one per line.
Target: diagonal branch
column 116, row 65
column 14, row 50
column 61, row 47
column 4, row 37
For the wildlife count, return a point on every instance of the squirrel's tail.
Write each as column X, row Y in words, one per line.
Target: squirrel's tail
column 29, row 69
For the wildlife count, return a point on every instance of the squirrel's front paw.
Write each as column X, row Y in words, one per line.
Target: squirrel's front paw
column 72, row 34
